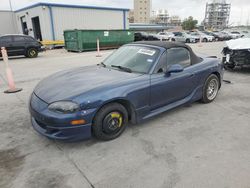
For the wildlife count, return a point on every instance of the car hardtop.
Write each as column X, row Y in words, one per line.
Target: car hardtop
column 163, row 45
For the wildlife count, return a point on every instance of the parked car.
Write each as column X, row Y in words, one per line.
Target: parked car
column 183, row 37
column 245, row 34
column 100, row 100
column 237, row 53
column 234, row 34
column 204, row 37
column 152, row 37
column 222, row 35
column 21, row 45
column 216, row 36
column 139, row 36
column 190, row 38
column 164, row 36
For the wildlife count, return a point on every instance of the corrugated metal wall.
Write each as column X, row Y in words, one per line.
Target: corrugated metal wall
column 63, row 18
column 78, row 18
column 7, row 23
column 44, row 17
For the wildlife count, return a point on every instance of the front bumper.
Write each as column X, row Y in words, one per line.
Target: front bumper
column 58, row 126
column 77, row 133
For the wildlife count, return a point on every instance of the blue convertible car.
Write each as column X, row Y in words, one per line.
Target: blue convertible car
column 136, row 82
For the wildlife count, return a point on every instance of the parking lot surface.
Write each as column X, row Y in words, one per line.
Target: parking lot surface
column 203, row 146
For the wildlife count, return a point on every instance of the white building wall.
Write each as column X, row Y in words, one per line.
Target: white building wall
column 7, row 23
column 44, row 18
column 80, row 18
column 66, row 18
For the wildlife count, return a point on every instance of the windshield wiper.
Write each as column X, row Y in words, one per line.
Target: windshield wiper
column 102, row 64
column 122, row 68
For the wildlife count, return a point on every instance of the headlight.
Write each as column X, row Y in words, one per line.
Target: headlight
column 66, row 107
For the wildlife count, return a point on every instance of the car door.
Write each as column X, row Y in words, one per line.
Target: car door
column 7, row 41
column 169, row 88
column 19, row 45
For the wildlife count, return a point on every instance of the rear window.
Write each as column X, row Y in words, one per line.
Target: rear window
column 30, row 39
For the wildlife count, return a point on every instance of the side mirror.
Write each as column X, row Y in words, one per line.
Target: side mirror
column 175, row 69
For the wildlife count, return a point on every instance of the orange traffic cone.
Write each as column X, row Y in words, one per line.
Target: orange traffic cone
column 10, row 78
column 98, row 48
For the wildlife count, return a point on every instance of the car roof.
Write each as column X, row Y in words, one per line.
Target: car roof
column 163, row 44
column 167, row 45
column 15, row 35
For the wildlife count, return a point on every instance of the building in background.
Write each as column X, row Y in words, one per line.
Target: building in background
column 47, row 21
column 175, row 21
column 217, row 14
column 160, row 17
column 142, row 11
column 7, row 22
column 131, row 16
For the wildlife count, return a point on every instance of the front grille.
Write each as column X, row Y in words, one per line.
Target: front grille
column 46, row 128
column 42, row 125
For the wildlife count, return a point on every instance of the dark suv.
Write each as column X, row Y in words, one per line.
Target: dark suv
column 20, row 45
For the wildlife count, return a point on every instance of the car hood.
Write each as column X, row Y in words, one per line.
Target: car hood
column 71, row 83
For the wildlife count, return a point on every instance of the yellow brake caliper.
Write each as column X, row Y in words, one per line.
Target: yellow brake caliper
column 118, row 116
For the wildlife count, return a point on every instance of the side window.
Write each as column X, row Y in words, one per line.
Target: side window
column 29, row 39
column 178, row 56
column 18, row 39
column 6, row 39
column 162, row 64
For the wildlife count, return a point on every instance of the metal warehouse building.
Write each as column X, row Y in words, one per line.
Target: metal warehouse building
column 7, row 22
column 46, row 21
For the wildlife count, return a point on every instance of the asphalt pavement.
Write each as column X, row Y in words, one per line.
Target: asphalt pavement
column 195, row 146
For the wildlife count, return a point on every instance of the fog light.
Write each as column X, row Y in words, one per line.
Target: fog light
column 78, row 122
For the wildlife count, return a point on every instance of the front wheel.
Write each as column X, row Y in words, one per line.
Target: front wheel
column 210, row 89
column 31, row 53
column 110, row 122
column 205, row 40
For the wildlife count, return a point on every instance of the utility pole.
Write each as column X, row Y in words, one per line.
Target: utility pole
column 13, row 16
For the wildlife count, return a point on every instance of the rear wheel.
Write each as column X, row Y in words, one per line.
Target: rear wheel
column 173, row 39
column 31, row 53
column 210, row 89
column 110, row 121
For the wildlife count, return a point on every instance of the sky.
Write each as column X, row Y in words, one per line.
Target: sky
column 240, row 9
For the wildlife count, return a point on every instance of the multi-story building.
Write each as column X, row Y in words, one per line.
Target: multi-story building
column 175, row 21
column 162, row 17
column 142, row 11
column 217, row 14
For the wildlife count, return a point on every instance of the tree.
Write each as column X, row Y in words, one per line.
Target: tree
column 189, row 23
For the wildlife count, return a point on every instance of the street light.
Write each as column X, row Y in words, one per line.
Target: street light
column 11, row 8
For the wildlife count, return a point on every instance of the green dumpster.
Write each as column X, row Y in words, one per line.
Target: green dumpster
column 86, row 40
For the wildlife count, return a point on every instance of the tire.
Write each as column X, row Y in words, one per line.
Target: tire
column 187, row 40
column 210, row 89
column 110, row 122
column 32, row 53
column 204, row 40
column 173, row 40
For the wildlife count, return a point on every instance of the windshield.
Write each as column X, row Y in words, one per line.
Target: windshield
column 134, row 58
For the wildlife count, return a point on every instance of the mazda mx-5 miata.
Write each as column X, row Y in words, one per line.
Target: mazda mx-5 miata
column 135, row 83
